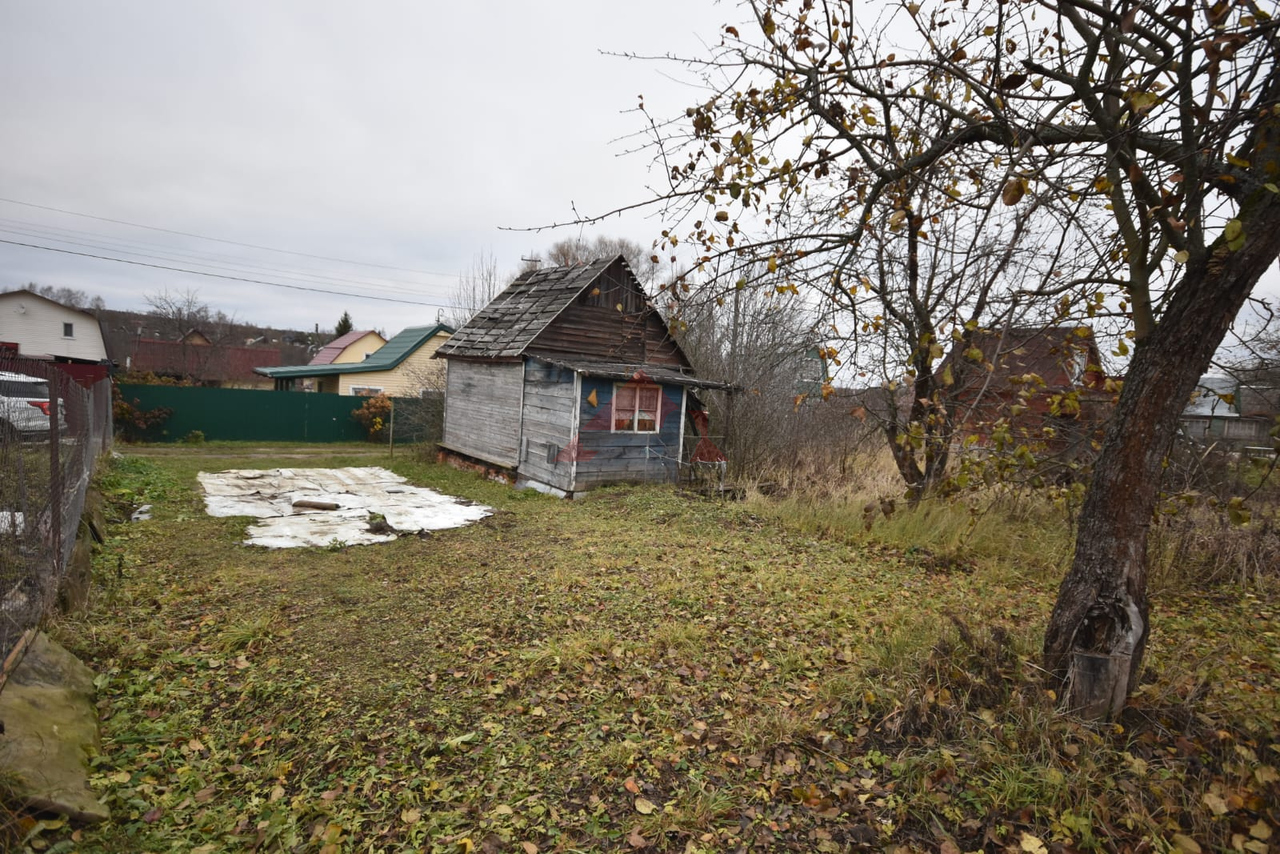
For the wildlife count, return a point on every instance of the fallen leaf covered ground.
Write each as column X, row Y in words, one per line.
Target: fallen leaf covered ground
column 641, row 671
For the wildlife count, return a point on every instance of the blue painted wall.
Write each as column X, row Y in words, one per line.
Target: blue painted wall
column 609, row 457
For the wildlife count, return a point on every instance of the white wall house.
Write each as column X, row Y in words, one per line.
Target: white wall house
column 43, row 328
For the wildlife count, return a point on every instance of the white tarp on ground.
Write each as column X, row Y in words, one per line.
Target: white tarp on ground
column 270, row 494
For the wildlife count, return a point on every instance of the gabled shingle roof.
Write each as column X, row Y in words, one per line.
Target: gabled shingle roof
column 386, row 358
column 515, row 317
column 334, row 348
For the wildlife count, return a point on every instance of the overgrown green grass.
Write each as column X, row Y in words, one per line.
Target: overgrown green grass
column 642, row 669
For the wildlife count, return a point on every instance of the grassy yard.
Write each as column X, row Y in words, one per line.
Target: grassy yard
column 639, row 670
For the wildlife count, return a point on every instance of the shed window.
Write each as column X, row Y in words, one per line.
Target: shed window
column 366, row 391
column 68, row 330
column 637, row 408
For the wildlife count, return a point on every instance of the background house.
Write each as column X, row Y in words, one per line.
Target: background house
column 214, row 352
column 355, row 346
column 197, row 360
column 400, row 368
column 1044, row 383
column 37, row 327
column 1230, row 413
column 569, row 379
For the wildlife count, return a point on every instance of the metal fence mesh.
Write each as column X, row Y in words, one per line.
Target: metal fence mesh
column 47, row 456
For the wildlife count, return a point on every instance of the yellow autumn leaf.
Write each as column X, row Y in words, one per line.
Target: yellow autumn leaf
column 644, row 806
column 1032, row 844
column 1141, row 101
column 410, row 816
column 1185, row 844
column 1215, row 803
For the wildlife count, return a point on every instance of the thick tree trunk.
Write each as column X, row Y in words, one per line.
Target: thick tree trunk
column 1097, row 633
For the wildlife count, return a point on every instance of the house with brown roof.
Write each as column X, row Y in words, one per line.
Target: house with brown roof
column 196, row 359
column 1041, row 383
column 570, row 379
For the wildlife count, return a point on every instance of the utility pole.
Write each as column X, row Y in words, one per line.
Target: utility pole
column 733, row 373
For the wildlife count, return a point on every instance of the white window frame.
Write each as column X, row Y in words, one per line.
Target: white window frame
column 635, row 410
column 366, row 390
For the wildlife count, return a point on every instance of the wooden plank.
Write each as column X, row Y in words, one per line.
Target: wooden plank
column 482, row 418
column 14, row 658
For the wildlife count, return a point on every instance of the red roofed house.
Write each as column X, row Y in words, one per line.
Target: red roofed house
column 355, row 346
column 1043, row 383
column 194, row 358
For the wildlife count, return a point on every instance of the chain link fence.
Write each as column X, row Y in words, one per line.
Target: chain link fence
column 52, row 432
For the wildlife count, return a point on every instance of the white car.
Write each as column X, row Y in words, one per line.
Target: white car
column 24, row 406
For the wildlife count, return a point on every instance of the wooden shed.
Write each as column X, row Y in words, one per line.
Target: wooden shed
column 569, row 379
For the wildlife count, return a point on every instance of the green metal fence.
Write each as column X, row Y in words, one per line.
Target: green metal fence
column 246, row 414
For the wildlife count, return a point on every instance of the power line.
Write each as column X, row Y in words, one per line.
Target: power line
column 233, row 267
column 221, row 240
column 123, row 244
column 221, row 276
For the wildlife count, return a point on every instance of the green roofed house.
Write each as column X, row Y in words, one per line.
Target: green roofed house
column 402, row 367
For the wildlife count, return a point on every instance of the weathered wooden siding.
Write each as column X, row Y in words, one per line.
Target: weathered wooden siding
column 548, row 424
column 606, row 333
column 611, row 320
column 615, row 288
column 482, row 410
column 608, row 457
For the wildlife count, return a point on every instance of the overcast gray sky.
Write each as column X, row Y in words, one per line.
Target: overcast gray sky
column 396, row 133
column 402, row 134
